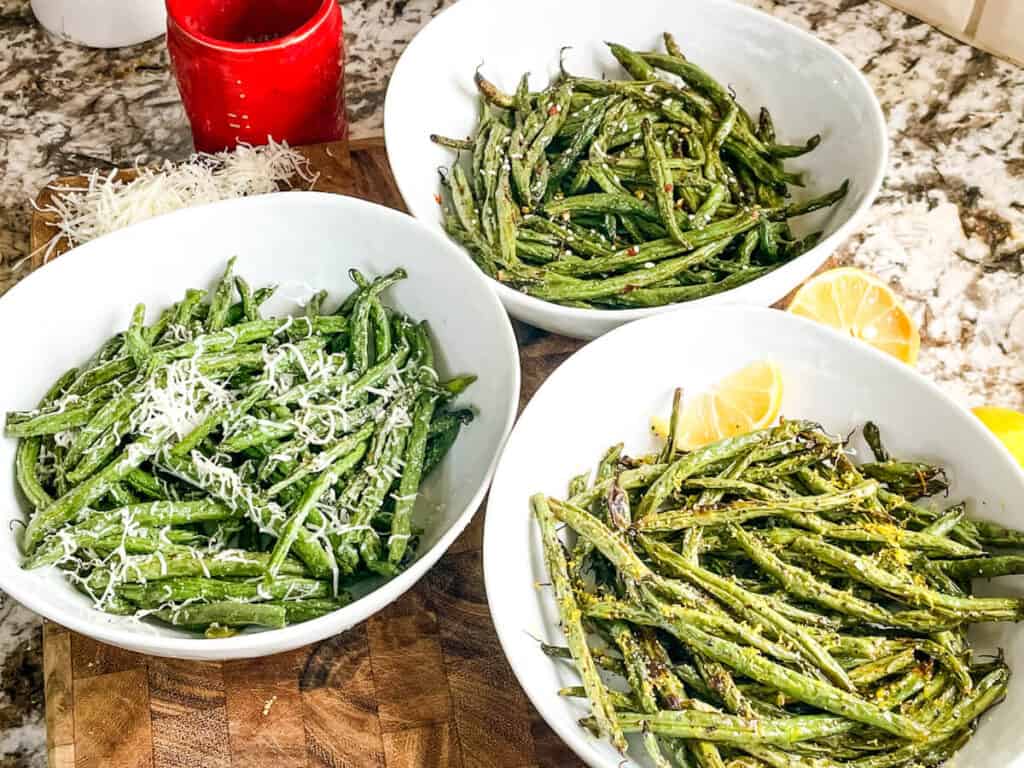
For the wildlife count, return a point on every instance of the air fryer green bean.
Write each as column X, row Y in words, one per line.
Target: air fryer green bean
column 218, row 469
column 794, row 613
column 620, row 175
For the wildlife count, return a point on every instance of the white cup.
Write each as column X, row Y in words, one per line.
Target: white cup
column 102, row 23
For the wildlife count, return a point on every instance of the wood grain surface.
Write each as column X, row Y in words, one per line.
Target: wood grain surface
column 423, row 684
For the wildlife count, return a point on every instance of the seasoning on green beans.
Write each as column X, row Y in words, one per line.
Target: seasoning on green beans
column 763, row 600
column 217, row 469
column 620, row 194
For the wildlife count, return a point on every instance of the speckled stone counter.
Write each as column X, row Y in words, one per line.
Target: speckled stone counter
column 947, row 229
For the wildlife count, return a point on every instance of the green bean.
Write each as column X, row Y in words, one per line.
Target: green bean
column 249, row 312
column 221, row 301
column 351, row 384
column 791, row 150
column 656, row 297
column 229, row 563
column 614, row 548
column 618, row 699
column 505, row 214
column 229, row 614
column 161, row 513
column 70, row 504
column 762, row 609
column 110, row 539
column 307, row 609
column 995, row 535
column 217, row 418
column 112, row 412
column 580, row 141
column 663, row 184
column 26, row 458
column 805, row 586
column 321, row 461
column 183, row 588
column 267, row 517
column 492, row 93
column 761, row 168
column 466, row 210
column 459, row 145
column 604, row 711
column 412, row 472
column 793, row 684
column 134, row 340
column 817, row 203
column 49, row 423
column 983, row 567
column 989, row 691
column 638, row 673
column 383, row 458
column 689, row 464
column 625, row 282
column 717, row 727
column 866, row 571
column 793, row 509
column 557, row 113
column 289, row 532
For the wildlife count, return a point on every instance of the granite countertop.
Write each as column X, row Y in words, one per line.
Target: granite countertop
column 947, row 229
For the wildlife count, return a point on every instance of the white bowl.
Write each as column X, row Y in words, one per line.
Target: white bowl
column 58, row 316
column 103, row 23
column 808, row 86
column 606, row 392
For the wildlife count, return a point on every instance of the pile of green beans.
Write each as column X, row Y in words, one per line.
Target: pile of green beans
column 618, row 194
column 216, row 469
column 763, row 601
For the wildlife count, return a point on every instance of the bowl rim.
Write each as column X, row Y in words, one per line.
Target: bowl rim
column 548, row 703
column 522, row 302
column 272, row 641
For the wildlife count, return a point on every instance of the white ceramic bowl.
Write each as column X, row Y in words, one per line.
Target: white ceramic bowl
column 809, row 87
column 103, row 23
column 607, row 391
column 58, row 316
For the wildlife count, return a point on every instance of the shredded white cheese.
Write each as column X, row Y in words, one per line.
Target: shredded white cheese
column 107, row 203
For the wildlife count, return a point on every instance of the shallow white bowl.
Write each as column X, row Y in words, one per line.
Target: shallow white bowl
column 303, row 241
column 808, row 86
column 607, row 391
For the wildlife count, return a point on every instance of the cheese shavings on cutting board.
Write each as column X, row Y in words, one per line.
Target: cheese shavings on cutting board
column 109, row 202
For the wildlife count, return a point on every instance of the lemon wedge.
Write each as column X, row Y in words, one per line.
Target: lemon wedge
column 745, row 400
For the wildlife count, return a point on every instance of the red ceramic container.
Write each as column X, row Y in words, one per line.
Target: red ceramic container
column 252, row 69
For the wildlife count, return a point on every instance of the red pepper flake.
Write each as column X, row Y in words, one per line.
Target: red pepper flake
column 632, row 250
column 668, row 186
column 629, row 288
column 437, row 199
column 554, row 109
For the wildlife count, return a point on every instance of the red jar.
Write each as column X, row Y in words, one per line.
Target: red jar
column 252, row 69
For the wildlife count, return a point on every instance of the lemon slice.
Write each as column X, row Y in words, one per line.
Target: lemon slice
column 745, row 400
column 1007, row 425
column 858, row 303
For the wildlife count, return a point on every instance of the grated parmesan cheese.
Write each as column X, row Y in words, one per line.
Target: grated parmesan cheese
column 108, row 203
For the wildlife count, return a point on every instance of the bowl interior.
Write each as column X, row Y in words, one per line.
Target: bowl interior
column 57, row 317
column 808, row 87
column 627, row 377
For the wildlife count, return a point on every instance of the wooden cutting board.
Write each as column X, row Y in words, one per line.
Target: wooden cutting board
column 423, row 683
